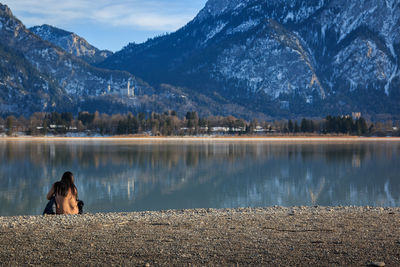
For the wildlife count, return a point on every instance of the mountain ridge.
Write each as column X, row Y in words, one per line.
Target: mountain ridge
column 251, row 59
column 71, row 43
column 74, row 85
column 292, row 58
column 75, row 81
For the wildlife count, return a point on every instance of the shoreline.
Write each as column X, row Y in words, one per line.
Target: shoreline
column 302, row 236
column 208, row 138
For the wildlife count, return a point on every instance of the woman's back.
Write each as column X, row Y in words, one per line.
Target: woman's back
column 66, row 195
column 67, row 204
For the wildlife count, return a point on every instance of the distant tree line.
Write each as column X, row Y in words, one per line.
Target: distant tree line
column 170, row 124
column 335, row 125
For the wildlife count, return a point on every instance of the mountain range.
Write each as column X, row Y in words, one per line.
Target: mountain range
column 281, row 58
column 248, row 58
column 44, row 77
column 44, row 69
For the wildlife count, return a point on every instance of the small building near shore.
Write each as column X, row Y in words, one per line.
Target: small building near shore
column 356, row 115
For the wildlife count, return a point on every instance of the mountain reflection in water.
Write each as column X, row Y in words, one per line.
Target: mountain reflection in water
column 133, row 176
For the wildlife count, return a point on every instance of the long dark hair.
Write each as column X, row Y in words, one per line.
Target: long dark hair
column 67, row 182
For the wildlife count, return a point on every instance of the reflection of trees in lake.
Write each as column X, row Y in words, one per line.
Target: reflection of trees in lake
column 267, row 179
column 210, row 174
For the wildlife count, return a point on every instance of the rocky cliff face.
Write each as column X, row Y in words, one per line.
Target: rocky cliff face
column 282, row 58
column 71, row 43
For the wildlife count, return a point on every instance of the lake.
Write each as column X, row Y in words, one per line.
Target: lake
column 120, row 176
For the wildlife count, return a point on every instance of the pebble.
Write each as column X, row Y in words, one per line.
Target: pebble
column 377, row 263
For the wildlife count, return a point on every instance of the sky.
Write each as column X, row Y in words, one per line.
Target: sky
column 108, row 24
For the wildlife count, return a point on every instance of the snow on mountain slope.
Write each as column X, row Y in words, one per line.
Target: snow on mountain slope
column 24, row 90
column 37, row 75
column 77, row 78
column 319, row 56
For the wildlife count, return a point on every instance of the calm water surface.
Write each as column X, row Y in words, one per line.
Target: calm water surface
column 128, row 176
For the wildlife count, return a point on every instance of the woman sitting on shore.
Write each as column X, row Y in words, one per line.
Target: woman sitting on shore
column 65, row 195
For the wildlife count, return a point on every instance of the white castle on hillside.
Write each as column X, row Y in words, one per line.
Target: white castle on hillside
column 128, row 91
column 123, row 92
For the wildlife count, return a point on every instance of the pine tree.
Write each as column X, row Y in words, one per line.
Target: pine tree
column 304, row 126
column 10, row 124
column 290, row 126
column 296, row 127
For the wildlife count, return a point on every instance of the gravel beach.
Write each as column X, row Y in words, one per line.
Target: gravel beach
column 302, row 236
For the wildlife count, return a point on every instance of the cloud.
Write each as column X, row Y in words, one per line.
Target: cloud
column 160, row 15
column 145, row 17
